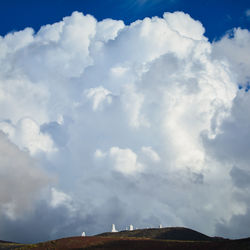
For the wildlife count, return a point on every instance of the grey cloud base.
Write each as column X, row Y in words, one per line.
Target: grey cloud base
column 141, row 124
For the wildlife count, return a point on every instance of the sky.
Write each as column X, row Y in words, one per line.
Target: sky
column 216, row 16
column 124, row 112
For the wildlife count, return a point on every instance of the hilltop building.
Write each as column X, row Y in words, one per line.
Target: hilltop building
column 130, row 228
column 113, row 230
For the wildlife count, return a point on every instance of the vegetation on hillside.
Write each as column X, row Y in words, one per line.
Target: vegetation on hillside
column 141, row 239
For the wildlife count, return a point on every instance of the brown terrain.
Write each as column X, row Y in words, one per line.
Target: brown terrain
column 142, row 239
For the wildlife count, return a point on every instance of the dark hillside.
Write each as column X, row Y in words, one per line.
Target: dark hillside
column 168, row 233
column 5, row 245
column 115, row 243
column 172, row 238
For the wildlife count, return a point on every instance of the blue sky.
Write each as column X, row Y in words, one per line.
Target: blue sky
column 139, row 121
column 216, row 16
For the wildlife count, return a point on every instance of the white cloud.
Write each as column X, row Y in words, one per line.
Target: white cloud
column 149, row 152
column 99, row 96
column 118, row 71
column 59, row 198
column 99, row 154
column 185, row 25
column 125, row 161
column 234, row 48
column 132, row 102
column 20, row 97
column 108, row 29
column 158, row 90
column 27, row 135
column 13, row 42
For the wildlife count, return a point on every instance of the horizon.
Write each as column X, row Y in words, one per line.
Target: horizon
column 124, row 111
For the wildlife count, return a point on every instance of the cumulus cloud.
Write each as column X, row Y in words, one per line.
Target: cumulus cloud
column 98, row 96
column 181, row 22
column 151, row 154
column 142, row 124
column 125, row 161
column 27, row 135
column 234, row 48
column 59, row 198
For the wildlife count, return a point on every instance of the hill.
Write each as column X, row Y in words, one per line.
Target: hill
column 9, row 245
column 175, row 238
column 168, row 233
column 114, row 243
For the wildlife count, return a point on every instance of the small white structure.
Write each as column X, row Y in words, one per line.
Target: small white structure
column 160, row 226
column 83, row 234
column 113, row 230
column 131, row 228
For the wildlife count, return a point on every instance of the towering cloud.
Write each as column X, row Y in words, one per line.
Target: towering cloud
column 142, row 124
